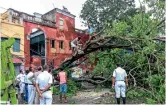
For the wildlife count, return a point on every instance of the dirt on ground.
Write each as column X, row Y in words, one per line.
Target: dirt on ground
column 91, row 96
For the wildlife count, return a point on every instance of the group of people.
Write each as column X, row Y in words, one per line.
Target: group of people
column 35, row 85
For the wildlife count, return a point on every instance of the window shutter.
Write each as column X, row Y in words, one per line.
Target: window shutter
column 16, row 46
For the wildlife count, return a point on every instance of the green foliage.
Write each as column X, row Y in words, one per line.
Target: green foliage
column 157, row 8
column 150, row 101
column 136, row 27
column 56, row 91
column 146, row 64
column 92, row 57
column 121, row 28
column 72, row 88
column 135, row 93
column 97, row 13
column 158, row 88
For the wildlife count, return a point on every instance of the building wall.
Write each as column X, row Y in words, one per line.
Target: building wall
column 67, row 34
column 50, row 16
column 51, row 34
column 12, row 30
column 69, row 22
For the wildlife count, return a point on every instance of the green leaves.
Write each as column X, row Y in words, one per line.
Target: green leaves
column 136, row 27
column 72, row 88
column 92, row 57
column 135, row 93
column 120, row 28
column 150, row 101
column 97, row 12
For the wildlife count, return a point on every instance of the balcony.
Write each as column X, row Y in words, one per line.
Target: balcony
column 39, row 21
column 32, row 18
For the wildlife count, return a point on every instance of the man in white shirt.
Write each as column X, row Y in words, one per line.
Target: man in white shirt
column 120, row 81
column 31, row 88
column 43, row 86
column 38, row 71
column 76, row 46
column 20, row 78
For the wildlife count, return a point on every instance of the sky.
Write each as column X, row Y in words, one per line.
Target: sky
column 43, row 6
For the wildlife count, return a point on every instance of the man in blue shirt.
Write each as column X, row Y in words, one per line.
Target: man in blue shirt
column 90, row 30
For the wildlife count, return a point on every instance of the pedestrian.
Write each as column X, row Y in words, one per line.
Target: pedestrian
column 120, row 81
column 43, row 86
column 31, row 86
column 76, row 46
column 62, row 76
column 38, row 71
column 20, row 78
column 26, row 85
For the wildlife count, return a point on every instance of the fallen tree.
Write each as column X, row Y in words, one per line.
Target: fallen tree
column 101, row 44
column 95, row 45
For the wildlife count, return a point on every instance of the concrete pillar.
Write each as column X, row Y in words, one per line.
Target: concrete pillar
column 10, row 16
column 21, row 20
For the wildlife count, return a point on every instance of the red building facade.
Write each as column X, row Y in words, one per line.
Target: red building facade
column 50, row 42
column 57, row 38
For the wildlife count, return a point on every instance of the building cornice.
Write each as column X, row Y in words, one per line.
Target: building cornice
column 65, row 13
column 12, row 24
column 60, row 11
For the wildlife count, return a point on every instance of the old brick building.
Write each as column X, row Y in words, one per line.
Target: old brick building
column 47, row 36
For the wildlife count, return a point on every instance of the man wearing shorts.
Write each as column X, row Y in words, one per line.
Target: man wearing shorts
column 63, row 86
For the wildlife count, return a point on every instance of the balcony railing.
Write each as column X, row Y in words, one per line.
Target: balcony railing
column 33, row 19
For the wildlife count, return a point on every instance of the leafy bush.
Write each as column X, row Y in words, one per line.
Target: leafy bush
column 150, row 101
column 56, row 90
column 71, row 88
column 135, row 93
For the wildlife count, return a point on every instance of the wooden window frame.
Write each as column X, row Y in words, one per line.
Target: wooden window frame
column 61, row 26
column 61, row 44
column 52, row 43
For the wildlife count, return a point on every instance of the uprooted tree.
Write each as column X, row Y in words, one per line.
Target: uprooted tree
column 136, row 44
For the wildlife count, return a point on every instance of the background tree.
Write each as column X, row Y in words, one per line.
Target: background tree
column 98, row 12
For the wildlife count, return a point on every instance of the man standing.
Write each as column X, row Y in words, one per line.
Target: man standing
column 62, row 76
column 31, row 88
column 90, row 30
column 26, row 85
column 43, row 86
column 21, row 78
column 38, row 71
column 120, row 81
